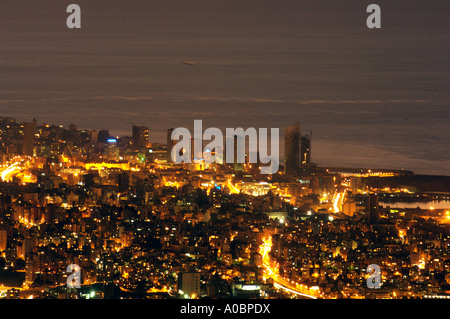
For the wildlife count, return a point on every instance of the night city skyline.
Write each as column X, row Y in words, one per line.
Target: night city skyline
column 372, row 97
column 216, row 157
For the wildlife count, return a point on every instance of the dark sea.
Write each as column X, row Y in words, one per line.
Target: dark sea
column 374, row 98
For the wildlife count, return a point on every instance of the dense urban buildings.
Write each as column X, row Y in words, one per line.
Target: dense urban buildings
column 292, row 150
column 139, row 226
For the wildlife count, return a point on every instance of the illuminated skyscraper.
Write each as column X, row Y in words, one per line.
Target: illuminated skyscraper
column 29, row 271
column 189, row 284
column 305, row 149
column 292, row 150
column 112, row 149
column 28, row 137
column 140, row 137
column 170, row 144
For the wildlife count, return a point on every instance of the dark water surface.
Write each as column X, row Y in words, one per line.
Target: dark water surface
column 377, row 98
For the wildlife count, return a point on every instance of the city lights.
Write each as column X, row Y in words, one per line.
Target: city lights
column 133, row 223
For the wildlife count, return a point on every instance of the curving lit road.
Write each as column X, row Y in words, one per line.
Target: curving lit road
column 272, row 272
column 7, row 173
column 233, row 189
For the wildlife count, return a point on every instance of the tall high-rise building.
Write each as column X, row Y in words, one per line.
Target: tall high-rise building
column 29, row 271
column 189, row 284
column 140, row 137
column 238, row 167
column 355, row 184
column 123, row 182
column 305, row 149
column 94, row 138
column 372, row 207
column 237, row 153
column 28, row 137
column 292, row 150
column 196, row 150
column 103, row 136
column 3, row 239
column 170, row 144
column 112, row 149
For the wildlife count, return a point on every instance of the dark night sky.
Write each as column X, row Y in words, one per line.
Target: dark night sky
column 376, row 98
